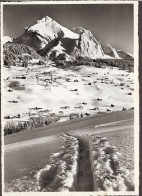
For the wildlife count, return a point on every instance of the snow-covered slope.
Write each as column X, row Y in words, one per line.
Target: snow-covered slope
column 43, row 32
column 70, row 87
column 48, row 27
column 6, row 39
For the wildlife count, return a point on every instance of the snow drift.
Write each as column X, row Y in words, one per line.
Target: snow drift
column 107, row 173
column 60, row 174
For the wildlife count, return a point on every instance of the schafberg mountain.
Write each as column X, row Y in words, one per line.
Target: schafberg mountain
column 48, row 36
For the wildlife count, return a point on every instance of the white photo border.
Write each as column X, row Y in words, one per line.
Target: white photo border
column 136, row 103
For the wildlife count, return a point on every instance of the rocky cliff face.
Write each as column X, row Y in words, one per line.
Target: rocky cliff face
column 108, row 51
column 87, row 45
column 124, row 55
column 47, row 36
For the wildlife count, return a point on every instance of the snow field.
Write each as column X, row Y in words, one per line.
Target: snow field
column 108, row 175
column 60, row 174
column 104, row 84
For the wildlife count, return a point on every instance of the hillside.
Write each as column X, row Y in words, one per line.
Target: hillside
column 124, row 55
column 15, row 54
column 124, row 64
column 66, row 93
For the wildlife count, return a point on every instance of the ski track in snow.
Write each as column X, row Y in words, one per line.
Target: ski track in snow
column 123, row 140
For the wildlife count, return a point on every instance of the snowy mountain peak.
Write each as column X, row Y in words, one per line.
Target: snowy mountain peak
column 85, row 32
column 87, row 44
column 81, row 30
column 7, row 39
column 47, row 36
column 50, row 28
column 46, row 19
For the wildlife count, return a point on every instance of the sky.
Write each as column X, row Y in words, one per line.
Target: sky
column 109, row 23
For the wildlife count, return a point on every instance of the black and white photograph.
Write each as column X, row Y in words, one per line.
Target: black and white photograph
column 70, row 98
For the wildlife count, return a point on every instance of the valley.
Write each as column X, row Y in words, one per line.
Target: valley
column 61, row 94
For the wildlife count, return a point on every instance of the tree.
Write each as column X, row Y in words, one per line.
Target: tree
column 53, row 56
column 61, row 56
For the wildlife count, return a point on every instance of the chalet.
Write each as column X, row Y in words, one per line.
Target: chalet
column 98, row 99
column 21, row 77
column 7, row 117
column 74, row 115
column 68, row 80
column 13, row 101
column 61, row 112
column 108, row 110
column 95, row 108
column 76, row 80
column 79, row 107
column 66, row 107
column 87, row 114
column 84, row 103
column 9, row 90
column 60, row 62
column 74, row 90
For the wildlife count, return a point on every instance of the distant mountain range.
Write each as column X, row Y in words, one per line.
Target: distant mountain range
column 48, row 36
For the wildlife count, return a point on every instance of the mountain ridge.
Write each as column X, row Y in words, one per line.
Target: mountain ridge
column 47, row 36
